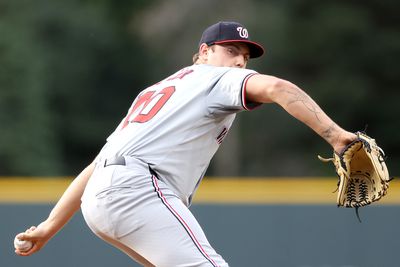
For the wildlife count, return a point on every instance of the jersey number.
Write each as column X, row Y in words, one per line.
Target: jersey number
column 149, row 104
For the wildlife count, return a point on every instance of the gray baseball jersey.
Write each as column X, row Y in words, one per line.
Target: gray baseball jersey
column 167, row 140
column 176, row 125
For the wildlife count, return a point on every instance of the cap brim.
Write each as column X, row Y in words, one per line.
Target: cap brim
column 256, row 50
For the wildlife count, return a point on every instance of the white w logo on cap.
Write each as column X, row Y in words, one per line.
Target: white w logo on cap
column 243, row 32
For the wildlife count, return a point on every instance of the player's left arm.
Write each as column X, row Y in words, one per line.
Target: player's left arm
column 62, row 212
column 269, row 89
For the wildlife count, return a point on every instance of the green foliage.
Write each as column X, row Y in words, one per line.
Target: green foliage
column 63, row 64
column 70, row 69
column 344, row 54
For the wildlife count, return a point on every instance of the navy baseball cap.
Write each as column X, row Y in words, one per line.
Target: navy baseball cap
column 230, row 32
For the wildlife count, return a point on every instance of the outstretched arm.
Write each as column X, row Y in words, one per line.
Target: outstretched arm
column 268, row 89
column 62, row 212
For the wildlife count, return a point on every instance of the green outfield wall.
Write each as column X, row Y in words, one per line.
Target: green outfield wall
column 244, row 225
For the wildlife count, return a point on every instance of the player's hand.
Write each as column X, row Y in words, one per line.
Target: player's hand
column 37, row 235
column 343, row 140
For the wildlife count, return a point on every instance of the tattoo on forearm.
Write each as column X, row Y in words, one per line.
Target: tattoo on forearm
column 300, row 96
column 328, row 133
column 331, row 134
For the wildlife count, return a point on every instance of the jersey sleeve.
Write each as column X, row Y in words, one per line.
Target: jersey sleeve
column 228, row 95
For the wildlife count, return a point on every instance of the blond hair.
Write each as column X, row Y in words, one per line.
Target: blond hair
column 195, row 57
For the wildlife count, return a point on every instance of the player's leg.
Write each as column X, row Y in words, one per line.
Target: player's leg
column 127, row 250
column 146, row 217
column 96, row 221
column 169, row 234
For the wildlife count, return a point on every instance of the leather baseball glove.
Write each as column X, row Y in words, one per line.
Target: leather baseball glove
column 363, row 174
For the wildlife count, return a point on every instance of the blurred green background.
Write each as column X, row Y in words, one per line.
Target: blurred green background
column 70, row 70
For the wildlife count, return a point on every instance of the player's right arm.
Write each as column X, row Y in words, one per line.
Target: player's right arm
column 269, row 89
column 62, row 212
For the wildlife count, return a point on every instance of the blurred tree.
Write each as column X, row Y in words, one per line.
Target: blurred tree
column 70, row 69
column 344, row 55
column 67, row 69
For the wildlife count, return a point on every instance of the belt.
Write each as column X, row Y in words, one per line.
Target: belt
column 120, row 160
column 117, row 160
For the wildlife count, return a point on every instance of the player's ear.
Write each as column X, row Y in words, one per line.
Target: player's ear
column 203, row 52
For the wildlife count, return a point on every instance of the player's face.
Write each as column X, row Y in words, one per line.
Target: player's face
column 228, row 55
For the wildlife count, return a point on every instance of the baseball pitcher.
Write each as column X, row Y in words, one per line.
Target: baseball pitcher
column 136, row 194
